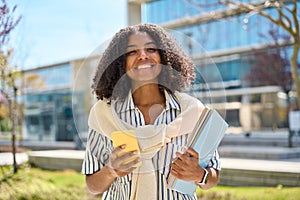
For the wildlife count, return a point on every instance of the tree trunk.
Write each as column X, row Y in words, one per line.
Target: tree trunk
column 294, row 68
column 290, row 133
column 14, row 153
column 13, row 134
column 13, row 118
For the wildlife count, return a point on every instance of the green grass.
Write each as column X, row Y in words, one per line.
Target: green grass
column 250, row 193
column 34, row 183
column 8, row 136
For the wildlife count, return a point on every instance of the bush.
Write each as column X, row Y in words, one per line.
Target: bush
column 5, row 124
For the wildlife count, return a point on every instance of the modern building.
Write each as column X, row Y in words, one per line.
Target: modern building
column 221, row 40
column 57, row 100
column 58, row 97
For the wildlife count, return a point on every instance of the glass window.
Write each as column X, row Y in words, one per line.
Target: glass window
column 51, row 76
column 32, row 120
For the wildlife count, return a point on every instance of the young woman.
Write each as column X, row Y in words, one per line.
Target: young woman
column 138, row 85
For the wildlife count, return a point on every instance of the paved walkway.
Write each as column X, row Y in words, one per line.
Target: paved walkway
column 292, row 166
column 234, row 163
column 262, row 158
column 287, row 165
column 7, row 158
column 235, row 171
column 259, row 152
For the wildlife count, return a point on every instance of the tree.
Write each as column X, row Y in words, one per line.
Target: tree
column 4, row 113
column 7, row 22
column 286, row 18
column 271, row 67
column 33, row 81
column 8, row 88
column 275, row 57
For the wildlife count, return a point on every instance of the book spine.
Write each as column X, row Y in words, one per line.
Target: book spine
column 200, row 128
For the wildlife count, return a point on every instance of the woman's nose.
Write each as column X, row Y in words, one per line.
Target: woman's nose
column 143, row 54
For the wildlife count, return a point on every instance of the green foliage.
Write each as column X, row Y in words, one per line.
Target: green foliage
column 5, row 124
column 34, row 183
column 249, row 193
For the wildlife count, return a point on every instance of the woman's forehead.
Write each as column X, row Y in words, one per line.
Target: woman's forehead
column 140, row 39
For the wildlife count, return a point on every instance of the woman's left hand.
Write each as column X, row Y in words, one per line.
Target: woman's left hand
column 185, row 166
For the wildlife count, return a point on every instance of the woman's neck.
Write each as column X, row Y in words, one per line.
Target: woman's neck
column 148, row 95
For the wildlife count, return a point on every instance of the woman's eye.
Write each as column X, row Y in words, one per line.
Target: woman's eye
column 130, row 53
column 151, row 50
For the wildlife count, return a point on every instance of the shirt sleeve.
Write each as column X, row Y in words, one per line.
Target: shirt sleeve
column 97, row 152
column 215, row 161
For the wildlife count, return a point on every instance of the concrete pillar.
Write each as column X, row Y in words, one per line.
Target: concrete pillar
column 134, row 12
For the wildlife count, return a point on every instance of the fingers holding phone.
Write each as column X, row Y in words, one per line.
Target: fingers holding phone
column 123, row 162
column 125, row 156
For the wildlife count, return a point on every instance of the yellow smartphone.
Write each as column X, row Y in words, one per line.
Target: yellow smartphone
column 129, row 139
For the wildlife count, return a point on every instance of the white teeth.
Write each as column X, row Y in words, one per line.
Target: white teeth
column 143, row 66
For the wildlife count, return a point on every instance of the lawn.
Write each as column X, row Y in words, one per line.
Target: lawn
column 33, row 183
column 250, row 193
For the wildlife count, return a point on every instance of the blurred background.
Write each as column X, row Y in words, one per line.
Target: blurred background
column 247, row 66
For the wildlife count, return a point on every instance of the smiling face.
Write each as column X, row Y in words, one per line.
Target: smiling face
column 142, row 59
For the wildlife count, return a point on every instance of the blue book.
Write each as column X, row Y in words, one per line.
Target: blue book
column 205, row 139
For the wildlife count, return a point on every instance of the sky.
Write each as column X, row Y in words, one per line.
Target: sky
column 53, row 31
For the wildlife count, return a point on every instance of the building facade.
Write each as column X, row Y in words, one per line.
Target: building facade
column 57, row 98
column 221, row 41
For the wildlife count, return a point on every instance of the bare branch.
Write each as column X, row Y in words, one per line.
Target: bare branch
column 260, row 10
column 287, row 8
column 7, row 22
column 283, row 17
column 296, row 21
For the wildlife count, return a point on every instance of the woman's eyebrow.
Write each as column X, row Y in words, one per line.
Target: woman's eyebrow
column 129, row 46
column 148, row 43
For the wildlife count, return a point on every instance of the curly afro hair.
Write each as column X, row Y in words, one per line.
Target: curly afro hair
column 177, row 67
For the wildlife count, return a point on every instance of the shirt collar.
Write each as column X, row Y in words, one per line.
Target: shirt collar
column 171, row 101
column 128, row 104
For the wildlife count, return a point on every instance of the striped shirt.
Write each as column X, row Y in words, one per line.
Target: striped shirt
column 99, row 148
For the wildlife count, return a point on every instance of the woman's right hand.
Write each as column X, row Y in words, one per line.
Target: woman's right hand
column 117, row 163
